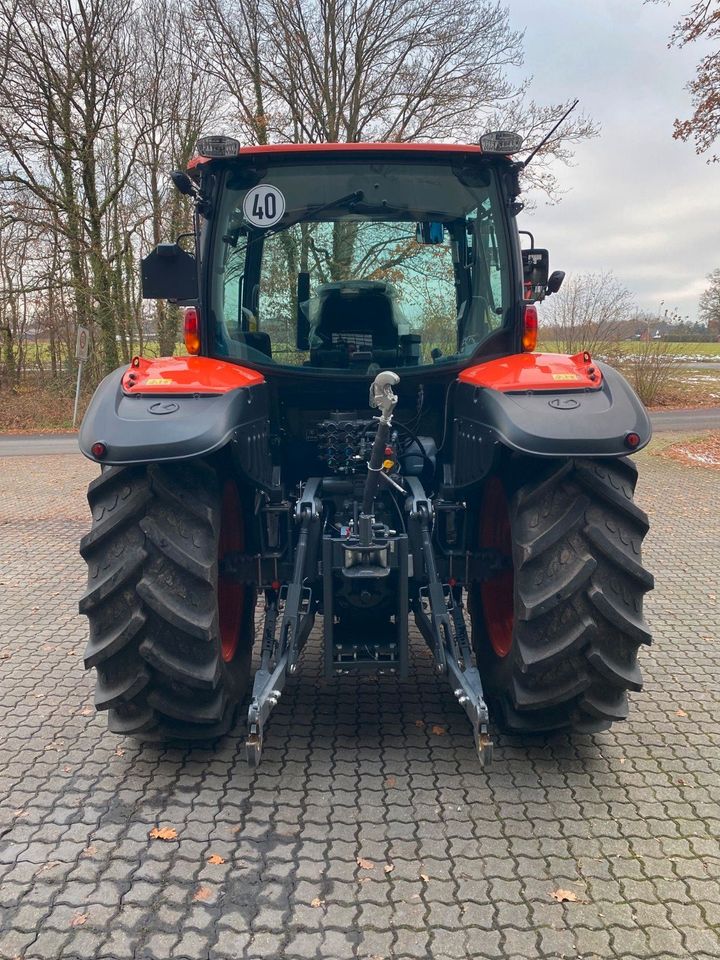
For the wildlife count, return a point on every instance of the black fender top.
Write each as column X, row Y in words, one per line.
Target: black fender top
column 588, row 422
column 147, row 428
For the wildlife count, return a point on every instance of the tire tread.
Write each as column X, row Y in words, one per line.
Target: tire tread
column 579, row 584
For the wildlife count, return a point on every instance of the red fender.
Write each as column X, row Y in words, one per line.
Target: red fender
column 535, row 371
column 179, row 375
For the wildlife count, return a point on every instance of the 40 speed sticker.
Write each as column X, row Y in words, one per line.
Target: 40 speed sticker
column 264, row 205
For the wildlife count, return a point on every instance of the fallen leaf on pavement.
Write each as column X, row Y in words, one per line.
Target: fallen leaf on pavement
column 425, row 877
column 90, row 851
column 365, row 864
column 389, row 867
column 680, row 713
column 565, row 896
column 216, row 858
column 86, row 711
column 163, row 833
column 5, row 655
column 317, row 902
column 119, row 752
column 202, row 893
column 438, row 730
column 78, row 920
column 391, row 781
column 419, row 723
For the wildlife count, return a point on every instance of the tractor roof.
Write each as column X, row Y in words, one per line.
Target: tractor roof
column 347, row 148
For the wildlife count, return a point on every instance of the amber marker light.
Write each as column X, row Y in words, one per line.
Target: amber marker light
column 191, row 330
column 530, row 328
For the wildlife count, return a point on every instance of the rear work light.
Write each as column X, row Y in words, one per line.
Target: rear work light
column 530, row 328
column 192, row 330
column 501, row 141
column 217, row 146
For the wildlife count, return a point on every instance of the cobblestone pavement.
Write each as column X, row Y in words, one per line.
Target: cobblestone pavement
column 626, row 821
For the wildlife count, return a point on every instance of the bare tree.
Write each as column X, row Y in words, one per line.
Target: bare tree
column 174, row 100
column 588, row 313
column 62, row 106
column 650, row 364
column 709, row 305
column 701, row 22
column 383, row 70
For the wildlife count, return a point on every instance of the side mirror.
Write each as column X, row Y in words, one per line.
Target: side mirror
column 169, row 273
column 536, row 267
column 555, row 281
column 183, row 184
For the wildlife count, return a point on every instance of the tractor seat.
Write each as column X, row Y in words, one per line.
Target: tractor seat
column 355, row 315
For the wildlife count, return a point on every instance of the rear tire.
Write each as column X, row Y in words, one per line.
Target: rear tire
column 170, row 641
column 573, row 599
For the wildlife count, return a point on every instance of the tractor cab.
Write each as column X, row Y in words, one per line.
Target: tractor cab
column 350, row 258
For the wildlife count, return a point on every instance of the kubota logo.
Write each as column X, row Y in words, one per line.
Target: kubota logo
column 161, row 407
column 564, row 403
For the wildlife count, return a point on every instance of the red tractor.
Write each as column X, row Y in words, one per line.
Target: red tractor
column 486, row 489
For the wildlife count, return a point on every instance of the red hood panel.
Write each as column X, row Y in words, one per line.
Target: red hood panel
column 535, row 371
column 174, row 375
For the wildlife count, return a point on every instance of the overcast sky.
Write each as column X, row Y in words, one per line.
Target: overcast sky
column 638, row 203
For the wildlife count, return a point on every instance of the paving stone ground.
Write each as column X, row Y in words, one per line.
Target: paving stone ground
column 627, row 821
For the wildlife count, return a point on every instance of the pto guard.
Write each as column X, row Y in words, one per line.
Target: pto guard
column 548, row 405
column 177, row 408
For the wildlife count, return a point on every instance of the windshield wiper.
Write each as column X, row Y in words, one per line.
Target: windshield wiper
column 308, row 213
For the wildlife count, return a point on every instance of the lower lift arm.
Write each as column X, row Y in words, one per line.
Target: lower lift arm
column 440, row 619
column 280, row 654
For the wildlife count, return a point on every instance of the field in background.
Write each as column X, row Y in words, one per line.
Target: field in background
column 686, row 352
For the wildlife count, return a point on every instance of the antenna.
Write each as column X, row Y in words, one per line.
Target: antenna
column 551, row 132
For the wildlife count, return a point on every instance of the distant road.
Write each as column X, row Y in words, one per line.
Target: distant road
column 37, row 444
column 45, row 444
column 699, row 418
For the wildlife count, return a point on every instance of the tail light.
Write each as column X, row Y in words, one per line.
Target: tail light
column 192, row 330
column 530, row 328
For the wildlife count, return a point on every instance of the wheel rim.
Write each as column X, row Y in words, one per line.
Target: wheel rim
column 231, row 594
column 498, row 593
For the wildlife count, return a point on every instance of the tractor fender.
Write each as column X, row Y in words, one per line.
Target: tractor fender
column 178, row 408
column 552, row 410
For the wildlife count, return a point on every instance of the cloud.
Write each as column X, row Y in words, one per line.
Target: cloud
column 638, row 203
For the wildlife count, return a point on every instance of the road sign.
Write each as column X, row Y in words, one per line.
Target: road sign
column 82, row 345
